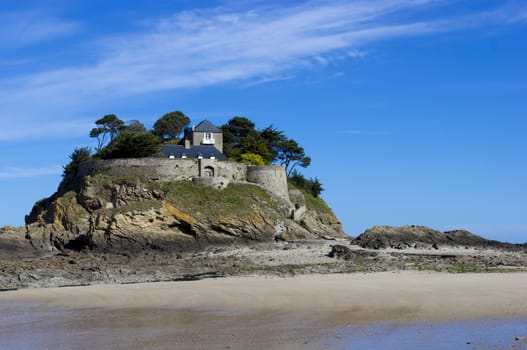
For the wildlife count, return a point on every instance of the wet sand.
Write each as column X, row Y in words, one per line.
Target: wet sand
column 309, row 311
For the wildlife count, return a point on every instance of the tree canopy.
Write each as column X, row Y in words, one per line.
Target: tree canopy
column 79, row 155
column 241, row 137
column 242, row 142
column 134, row 141
column 170, row 125
column 107, row 126
column 237, row 128
column 291, row 155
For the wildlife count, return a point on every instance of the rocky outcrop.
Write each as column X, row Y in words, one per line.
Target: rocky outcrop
column 130, row 214
column 13, row 243
column 381, row 237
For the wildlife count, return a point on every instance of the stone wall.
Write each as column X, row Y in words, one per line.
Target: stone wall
column 272, row 178
column 229, row 170
column 154, row 169
column 216, row 182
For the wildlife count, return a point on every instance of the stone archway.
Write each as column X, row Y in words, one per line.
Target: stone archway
column 208, row 171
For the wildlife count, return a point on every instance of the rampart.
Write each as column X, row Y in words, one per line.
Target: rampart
column 271, row 178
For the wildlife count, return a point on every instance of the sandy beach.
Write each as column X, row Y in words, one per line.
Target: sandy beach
column 337, row 298
column 276, row 312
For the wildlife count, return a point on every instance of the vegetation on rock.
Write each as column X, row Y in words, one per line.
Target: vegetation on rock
column 237, row 200
column 78, row 156
column 242, row 142
column 311, row 186
column 107, row 211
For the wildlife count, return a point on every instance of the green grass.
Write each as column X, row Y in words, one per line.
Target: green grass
column 289, row 267
column 113, row 180
column 313, row 203
column 69, row 197
column 235, row 200
column 71, row 208
column 479, row 268
column 317, row 204
column 138, row 205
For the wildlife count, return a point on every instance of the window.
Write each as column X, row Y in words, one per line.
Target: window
column 208, row 138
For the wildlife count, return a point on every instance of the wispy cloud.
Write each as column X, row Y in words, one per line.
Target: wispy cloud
column 14, row 129
column 511, row 12
column 24, row 173
column 30, row 27
column 201, row 48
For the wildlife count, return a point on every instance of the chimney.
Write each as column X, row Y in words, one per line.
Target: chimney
column 187, row 144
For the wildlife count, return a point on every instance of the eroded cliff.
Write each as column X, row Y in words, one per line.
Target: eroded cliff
column 110, row 213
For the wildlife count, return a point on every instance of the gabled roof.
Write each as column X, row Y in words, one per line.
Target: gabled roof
column 206, row 126
column 193, row 152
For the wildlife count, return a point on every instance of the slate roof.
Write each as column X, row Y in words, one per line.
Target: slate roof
column 206, row 126
column 193, row 152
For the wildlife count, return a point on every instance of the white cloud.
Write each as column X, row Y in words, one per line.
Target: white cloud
column 29, row 27
column 24, row 173
column 511, row 12
column 23, row 130
column 206, row 47
column 201, row 48
column 357, row 53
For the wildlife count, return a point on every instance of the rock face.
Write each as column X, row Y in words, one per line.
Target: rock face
column 13, row 243
column 116, row 214
column 380, row 237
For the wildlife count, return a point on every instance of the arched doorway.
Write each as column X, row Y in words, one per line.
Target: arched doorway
column 208, row 171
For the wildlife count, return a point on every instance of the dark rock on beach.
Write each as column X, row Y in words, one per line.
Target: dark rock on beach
column 422, row 237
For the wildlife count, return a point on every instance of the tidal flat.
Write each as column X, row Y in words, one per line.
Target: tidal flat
column 407, row 310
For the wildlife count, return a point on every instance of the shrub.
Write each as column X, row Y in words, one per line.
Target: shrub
column 131, row 145
column 311, row 186
column 252, row 158
column 79, row 155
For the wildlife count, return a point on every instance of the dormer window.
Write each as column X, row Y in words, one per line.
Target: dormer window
column 208, row 138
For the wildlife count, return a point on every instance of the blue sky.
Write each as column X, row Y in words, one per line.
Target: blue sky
column 413, row 111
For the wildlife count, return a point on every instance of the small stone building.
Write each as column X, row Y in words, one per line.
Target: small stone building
column 204, row 141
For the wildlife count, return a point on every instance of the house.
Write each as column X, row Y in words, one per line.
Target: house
column 204, row 141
